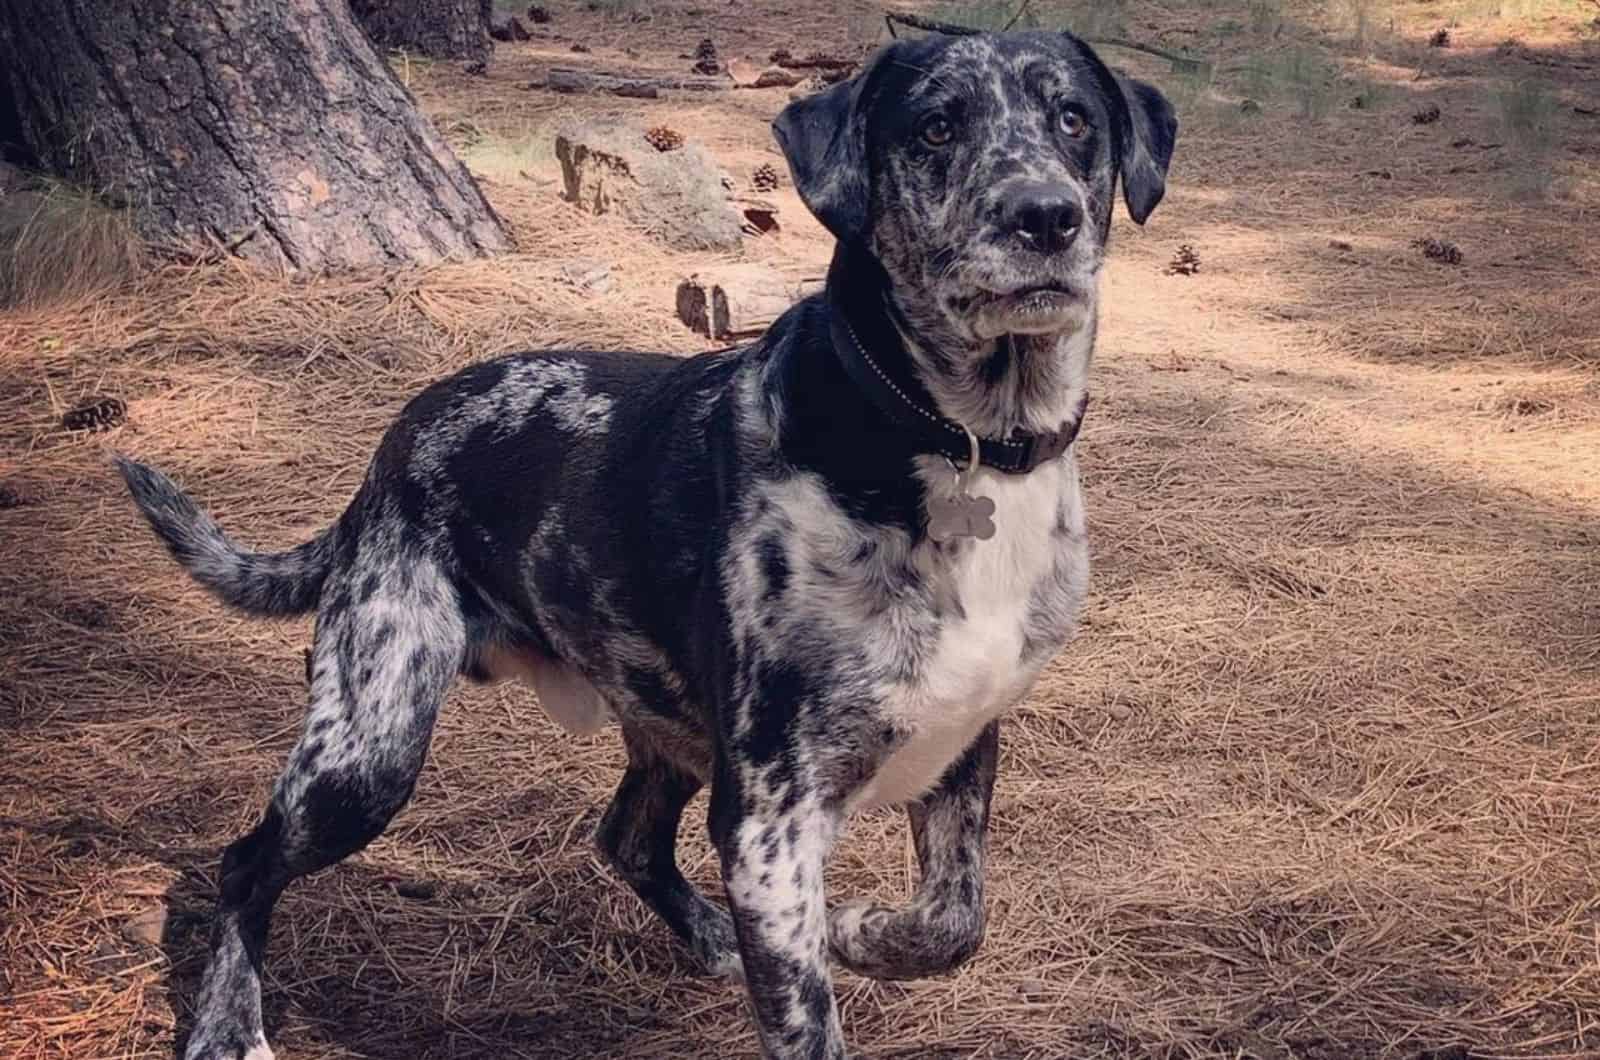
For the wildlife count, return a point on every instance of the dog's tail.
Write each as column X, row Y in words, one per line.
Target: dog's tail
column 280, row 583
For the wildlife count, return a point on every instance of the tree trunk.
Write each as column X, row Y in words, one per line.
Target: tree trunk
column 443, row 29
column 270, row 127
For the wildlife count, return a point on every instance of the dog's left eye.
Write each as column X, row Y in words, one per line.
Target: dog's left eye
column 1073, row 123
column 937, row 131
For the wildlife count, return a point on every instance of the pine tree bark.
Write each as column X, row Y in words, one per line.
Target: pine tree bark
column 442, row 29
column 271, row 127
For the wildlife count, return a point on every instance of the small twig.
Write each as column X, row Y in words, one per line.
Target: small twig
column 949, row 29
column 240, row 240
column 1131, row 45
column 1022, row 9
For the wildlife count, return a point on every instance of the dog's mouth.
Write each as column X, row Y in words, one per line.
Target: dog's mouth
column 1039, row 296
column 1033, row 308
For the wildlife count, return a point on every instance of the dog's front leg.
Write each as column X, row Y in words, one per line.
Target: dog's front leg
column 943, row 924
column 773, row 846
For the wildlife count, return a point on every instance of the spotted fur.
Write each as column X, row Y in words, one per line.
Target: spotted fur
column 727, row 556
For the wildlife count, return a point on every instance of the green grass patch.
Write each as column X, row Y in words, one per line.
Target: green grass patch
column 508, row 158
column 1528, row 114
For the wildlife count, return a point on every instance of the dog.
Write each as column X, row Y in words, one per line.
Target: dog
column 811, row 572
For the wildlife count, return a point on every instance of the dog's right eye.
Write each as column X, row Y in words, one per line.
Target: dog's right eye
column 937, row 131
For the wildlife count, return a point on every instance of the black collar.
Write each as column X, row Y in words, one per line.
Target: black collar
column 858, row 319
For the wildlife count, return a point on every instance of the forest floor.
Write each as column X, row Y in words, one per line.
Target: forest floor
column 1320, row 777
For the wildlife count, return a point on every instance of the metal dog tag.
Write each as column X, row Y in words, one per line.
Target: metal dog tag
column 962, row 515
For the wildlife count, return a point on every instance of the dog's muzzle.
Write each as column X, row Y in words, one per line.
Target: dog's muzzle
column 1033, row 281
column 1041, row 216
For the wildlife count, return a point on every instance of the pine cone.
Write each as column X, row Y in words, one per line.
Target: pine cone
column 101, row 414
column 664, row 139
column 705, row 58
column 1185, row 262
column 765, row 178
column 1438, row 250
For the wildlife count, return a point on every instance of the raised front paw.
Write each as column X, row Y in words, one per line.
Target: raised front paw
column 913, row 943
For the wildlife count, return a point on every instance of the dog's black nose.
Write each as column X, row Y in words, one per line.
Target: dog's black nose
column 1044, row 216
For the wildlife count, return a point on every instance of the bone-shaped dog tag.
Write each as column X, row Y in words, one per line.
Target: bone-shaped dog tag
column 961, row 514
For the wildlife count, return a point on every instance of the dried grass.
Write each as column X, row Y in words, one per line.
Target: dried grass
column 58, row 243
column 1320, row 778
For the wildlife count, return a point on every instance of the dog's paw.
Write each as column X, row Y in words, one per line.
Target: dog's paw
column 846, row 936
column 726, row 965
column 717, row 947
column 225, row 1047
column 884, row 943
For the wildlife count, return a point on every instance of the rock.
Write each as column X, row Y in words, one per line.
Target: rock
column 12, row 179
column 676, row 196
column 587, row 275
column 746, row 74
column 511, row 29
column 417, row 890
column 146, row 928
column 776, row 77
column 808, row 87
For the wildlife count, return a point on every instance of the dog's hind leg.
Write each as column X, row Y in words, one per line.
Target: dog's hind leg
column 639, row 838
column 389, row 641
column 943, row 924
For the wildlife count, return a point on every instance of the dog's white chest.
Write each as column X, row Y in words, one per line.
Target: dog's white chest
column 1012, row 601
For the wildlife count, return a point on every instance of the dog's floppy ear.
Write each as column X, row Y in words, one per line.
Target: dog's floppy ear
column 1147, row 141
column 824, row 139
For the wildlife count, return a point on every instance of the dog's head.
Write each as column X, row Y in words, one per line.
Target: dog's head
column 980, row 171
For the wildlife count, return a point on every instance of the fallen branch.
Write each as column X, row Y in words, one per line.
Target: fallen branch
column 830, row 68
column 814, row 61
column 738, row 300
column 951, row 29
column 635, row 86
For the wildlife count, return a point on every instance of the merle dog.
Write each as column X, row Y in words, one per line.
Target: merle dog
column 811, row 572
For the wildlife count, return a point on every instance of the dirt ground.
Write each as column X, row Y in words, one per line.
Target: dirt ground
column 1320, row 777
